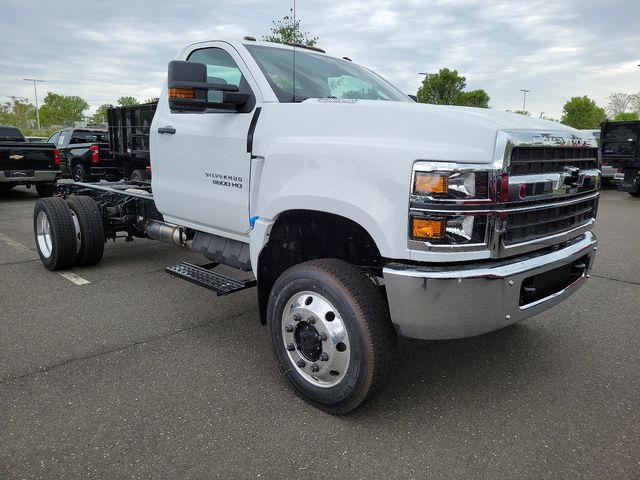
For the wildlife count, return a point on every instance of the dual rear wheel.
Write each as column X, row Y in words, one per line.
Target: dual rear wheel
column 68, row 232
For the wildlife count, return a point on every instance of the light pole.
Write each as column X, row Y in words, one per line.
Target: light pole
column 524, row 99
column 35, row 89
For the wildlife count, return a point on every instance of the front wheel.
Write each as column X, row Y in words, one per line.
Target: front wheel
column 331, row 333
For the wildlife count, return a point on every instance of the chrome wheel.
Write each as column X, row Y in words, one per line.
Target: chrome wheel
column 43, row 234
column 76, row 226
column 316, row 339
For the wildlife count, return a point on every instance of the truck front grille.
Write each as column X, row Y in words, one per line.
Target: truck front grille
column 536, row 160
column 526, row 225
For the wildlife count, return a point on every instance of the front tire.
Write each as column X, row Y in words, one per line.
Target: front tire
column 331, row 333
column 55, row 233
column 91, row 244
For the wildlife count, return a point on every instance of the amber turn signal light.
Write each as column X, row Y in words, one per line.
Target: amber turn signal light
column 423, row 228
column 182, row 93
column 430, row 183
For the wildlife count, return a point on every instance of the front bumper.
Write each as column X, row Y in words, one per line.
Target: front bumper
column 30, row 176
column 444, row 302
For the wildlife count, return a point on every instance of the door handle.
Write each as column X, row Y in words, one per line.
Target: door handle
column 167, row 129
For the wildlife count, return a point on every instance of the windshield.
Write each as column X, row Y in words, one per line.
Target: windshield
column 319, row 76
column 11, row 134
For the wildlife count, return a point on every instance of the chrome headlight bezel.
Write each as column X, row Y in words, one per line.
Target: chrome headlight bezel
column 461, row 206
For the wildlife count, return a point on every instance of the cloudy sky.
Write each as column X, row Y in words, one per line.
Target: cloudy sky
column 102, row 50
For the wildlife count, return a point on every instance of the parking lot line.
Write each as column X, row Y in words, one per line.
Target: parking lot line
column 72, row 277
column 18, row 246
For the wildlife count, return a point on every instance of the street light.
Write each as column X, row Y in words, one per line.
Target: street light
column 35, row 89
column 524, row 99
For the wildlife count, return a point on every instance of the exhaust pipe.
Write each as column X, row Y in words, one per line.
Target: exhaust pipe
column 167, row 232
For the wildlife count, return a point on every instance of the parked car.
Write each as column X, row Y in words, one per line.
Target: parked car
column 84, row 155
column 620, row 149
column 24, row 163
column 362, row 214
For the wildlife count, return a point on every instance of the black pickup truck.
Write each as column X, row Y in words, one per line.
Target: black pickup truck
column 24, row 163
column 620, row 148
column 84, row 155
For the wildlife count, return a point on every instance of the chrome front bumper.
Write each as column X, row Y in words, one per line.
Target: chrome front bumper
column 440, row 302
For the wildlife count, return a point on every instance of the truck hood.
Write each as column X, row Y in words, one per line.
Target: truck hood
column 413, row 130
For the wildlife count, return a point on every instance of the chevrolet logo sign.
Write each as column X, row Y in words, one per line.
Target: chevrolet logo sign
column 16, row 157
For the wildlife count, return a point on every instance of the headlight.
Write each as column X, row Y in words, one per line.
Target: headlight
column 461, row 185
column 449, row 229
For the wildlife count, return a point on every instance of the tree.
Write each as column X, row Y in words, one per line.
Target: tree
column 447, row 88
column 100, row 117
column 626, row 117
column 474, row 98
column 526, row 113
column 635, row 103
column 62, row 109
column 442, row 88
column 618, row 103
column 582, row 113
column 127, row 101
column 152, row 100
column 19, row 113
column 288, row 31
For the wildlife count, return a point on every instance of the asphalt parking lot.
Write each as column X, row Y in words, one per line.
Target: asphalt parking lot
column 139, row 375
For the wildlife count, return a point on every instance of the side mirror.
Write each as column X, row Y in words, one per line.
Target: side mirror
column 189, row 89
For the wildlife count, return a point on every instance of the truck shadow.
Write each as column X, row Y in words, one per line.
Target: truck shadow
column 18, row 194
column 496, row 365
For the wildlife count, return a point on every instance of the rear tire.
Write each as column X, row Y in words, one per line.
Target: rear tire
column 80, row 174
column 88, row 215
column 45, row 189
column 55, row 233
column 140, row 175
column 331, row 333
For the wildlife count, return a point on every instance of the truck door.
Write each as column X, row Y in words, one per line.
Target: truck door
column 200, row 164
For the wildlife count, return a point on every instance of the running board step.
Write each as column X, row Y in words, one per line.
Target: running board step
column 202, row 276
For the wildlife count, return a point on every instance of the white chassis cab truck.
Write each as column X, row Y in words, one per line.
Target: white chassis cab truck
column 357, row 213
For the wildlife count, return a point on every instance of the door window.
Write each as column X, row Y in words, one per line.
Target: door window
column 221, row 68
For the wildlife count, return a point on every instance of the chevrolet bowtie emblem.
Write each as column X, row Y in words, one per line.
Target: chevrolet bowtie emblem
column 16, row 157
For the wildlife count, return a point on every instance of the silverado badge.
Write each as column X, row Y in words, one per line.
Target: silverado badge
column 16, row 157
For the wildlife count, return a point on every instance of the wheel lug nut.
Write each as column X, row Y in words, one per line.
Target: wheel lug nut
column 288, row 328
column 323, row 337
column 300, row 363
column 312, row 320
column 324, row 357
column 297, row 317
column 314, row 367
column 291, row 347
